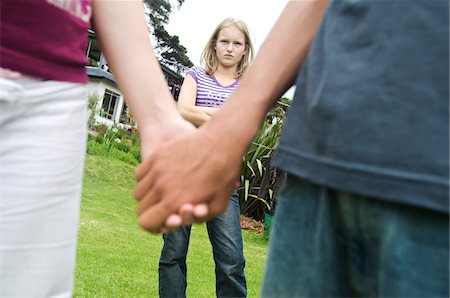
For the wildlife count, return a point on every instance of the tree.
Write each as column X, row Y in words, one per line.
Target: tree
column 160, row 10
column 167, row 46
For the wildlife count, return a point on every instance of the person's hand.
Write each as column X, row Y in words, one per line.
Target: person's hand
column 156, row 134
column 192, row 168
column 189, row 214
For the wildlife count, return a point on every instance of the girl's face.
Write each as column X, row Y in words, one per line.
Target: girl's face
column 230, row 46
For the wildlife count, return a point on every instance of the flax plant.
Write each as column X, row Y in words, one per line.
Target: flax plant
column 258, row 177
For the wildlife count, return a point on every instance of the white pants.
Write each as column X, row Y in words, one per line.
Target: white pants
column 42, row 149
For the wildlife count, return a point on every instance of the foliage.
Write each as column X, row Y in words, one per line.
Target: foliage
column 167, row 46
column 279, row 110
column 123, row 156
column 94, row 148
column 110, row 138
column 130, row 120
column 115, row 258
column 160, row 10
column 254, row 166
column 92, row 104
column 101, row 129
column 134, row 137
column 115, row 143
column 260, row 182
column 136, row 152
column 170, row 49
column 98, row 139
column 123, row 146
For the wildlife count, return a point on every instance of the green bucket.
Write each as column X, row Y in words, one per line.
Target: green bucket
column 267, row 225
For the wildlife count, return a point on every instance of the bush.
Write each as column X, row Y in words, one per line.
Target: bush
column 136, row 152
column 123, row 156
column 260, row 182
column 90, row 137
column 119, row 131
column 94, row 148
column 123, row 146
column 135, row 138
column 98, row 139
column 113, row 143
column 101, row 129
column 92, row 104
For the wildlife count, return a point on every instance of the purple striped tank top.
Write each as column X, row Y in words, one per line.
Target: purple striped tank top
column 210, row 93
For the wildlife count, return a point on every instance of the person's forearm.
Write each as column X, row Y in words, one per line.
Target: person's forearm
column 194, row 116
column 210, row 110
column 125, row 40
column 272, row 73
column 197, row 115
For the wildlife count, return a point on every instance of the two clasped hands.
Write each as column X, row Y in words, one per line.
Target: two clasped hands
column 185, row 178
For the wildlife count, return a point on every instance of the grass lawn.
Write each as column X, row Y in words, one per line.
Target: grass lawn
column 115, row 258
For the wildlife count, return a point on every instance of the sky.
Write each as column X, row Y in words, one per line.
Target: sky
column 196, row 19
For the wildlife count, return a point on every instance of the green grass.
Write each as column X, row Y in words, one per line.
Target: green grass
column 115, row 258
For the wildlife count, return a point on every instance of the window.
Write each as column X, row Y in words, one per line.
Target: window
column 110, row 100
column 93, row 51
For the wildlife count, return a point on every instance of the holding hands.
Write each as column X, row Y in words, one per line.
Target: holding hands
column 185, row 179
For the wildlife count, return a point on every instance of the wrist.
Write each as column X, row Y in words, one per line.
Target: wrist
column 154, row 134
column 155, row 112
column 230, row 138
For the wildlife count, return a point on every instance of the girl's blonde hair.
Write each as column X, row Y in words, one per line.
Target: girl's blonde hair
column 209, row 59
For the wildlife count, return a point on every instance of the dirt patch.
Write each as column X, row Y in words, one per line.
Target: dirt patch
column 248, row 223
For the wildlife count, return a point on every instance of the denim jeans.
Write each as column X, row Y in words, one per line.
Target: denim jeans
column 226, row 239
column 327, row 243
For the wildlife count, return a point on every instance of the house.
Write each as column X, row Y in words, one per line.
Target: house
column 111, row 107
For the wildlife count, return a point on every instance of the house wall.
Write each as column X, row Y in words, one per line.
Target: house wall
column 98, row 86
column 99, row 81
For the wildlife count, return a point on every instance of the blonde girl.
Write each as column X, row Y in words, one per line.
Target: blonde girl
column 225, row 58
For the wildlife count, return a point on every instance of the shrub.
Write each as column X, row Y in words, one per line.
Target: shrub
column 119, row 131
column 123, row 156
column 92, row 104
column 260, row 182
column 136, row 152
column 123, row 146
column 135, row 138
column 114, row 145
column 99, row 139
column 94, row 148
column 90, row 137
column 101, row 129
column 255, row 164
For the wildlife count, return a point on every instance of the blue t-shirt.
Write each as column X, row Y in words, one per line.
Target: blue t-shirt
column 371, row 109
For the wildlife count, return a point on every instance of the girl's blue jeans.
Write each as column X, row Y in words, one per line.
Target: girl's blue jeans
column 226, row 239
